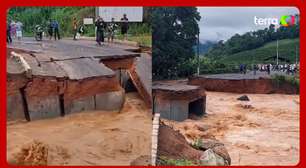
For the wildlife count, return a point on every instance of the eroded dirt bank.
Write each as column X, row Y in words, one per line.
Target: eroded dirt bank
column 87, row 138
column 263, row 131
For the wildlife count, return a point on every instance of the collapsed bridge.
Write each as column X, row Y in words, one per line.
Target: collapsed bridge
column 54, row 78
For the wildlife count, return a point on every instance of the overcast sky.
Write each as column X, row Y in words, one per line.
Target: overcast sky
column 220, row 23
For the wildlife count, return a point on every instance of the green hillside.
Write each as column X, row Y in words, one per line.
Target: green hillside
column 264, row 54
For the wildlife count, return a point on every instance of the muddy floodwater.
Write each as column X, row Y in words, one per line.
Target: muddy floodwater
column 87, row 138
column 262, row 131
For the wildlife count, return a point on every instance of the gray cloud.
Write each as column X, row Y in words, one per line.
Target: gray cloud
column 220, row 23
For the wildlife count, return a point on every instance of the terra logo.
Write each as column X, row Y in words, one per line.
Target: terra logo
column 285, row 20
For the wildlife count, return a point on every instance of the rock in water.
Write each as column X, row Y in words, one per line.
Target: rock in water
column 243, row 98
column 217, row 147
column 210, row 158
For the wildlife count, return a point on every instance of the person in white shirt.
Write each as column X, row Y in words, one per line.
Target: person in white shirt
column 19, row 30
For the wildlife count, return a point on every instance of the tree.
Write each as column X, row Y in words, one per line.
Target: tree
column 175, row 31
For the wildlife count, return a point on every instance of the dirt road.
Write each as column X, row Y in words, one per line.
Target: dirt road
column 87, row 138
column 263, row 131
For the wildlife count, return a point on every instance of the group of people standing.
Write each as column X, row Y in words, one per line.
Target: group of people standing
column 13, row 30
column 109, row 29
column 288, row 68
column 102, row 29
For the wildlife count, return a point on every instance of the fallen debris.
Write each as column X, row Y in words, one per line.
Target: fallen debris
column 37, row 153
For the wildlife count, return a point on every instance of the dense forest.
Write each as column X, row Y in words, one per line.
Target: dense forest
column 174, row 34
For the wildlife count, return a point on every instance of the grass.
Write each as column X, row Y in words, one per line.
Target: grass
column 293, row 80
column 175, row 162
column 142, row 39
column 197, row 144
column 287, row 50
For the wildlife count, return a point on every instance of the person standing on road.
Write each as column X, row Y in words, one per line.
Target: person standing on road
column 8, row 32
column 100, row 26
column 254, row 69
column 19, row 30
column 75, row 27
column 268, row 69
column 241, row 68
column 13, row 29
column 111, row 30
column 124, row 26
column 55, row 26
column 50, row 29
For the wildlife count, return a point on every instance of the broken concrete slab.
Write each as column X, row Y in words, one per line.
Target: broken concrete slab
column 119, row 63
column 144, row 71
column 79, row 69
column 141, row 75
column 139, row 71
column 43, row 69
column 67, row 76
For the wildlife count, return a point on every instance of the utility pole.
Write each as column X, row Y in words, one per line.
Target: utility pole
column 276, row 51
column 296, row 57
column 198, row 54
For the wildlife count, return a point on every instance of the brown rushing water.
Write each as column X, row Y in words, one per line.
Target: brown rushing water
column 264, row 133
column 88, row 138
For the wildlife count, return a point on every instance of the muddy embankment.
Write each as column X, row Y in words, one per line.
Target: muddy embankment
column 260, row 86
